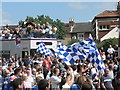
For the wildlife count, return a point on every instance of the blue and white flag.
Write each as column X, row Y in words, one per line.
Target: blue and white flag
column 43, row 50
column 81, row 50
column 68, row 54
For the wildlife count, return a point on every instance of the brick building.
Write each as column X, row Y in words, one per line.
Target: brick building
column 79, row 31
column 105, row 25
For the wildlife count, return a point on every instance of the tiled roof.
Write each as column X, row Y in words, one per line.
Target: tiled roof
column 108, row 13
column 82, row 27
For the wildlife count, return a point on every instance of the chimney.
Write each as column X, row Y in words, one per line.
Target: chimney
column 71, row 21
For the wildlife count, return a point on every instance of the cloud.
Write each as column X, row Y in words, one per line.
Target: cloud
column 77, row 6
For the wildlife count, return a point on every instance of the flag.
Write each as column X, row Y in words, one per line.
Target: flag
column 68, row 54
column 85, row 49
column 89, row 50
column 18, row 41
column 43, row 50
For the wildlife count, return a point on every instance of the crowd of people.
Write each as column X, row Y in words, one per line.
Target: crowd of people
column 29, row 29
column 50, row 73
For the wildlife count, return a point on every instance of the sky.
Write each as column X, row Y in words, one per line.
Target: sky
column 13, row 12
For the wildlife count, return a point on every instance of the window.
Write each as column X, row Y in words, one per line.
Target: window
column 104, row 27
column 80, row 36
column 46, row 43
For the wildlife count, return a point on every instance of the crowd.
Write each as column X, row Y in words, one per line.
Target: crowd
column 50, row 73
column 29, row 29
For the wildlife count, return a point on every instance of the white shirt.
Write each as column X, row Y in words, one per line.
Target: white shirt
column 65, row 86
column 55, row 81
column 103, row 57
column 111, row 50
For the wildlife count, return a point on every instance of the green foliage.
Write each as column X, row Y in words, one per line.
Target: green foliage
column 42, row 19
column 73, row 41
column 107, row 42
column 21, row 22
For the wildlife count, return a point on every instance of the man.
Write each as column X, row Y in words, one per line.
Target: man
column 17, row 73
column 111, row 51
column 55, row 79
column 116, row 82
column 47, row 62
column 17, row 84
column 106, row 81
column 44, row 84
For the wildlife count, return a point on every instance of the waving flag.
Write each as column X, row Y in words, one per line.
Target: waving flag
column 43, row 50
column 68, row 54
column 81, row 50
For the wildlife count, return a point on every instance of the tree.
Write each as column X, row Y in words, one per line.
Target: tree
column 73, row 41
column 107, row 42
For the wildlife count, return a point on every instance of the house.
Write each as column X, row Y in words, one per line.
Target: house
column 105, row 25
column 79, row 31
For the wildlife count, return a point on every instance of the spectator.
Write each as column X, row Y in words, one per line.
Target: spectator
column 47, row 62
column 17, row 73
column 44, row 84
column 111, row 51
column 116, row 82
column 55, row 79
column 17, row 84
column 106, row 81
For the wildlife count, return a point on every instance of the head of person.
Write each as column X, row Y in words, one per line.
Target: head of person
column 43, row 85
column 34, row 71
column 17, row 84
column 106, row 71
column 17, row 71
column 6, row 72
column 38, row 79
column 110, row 46
column 47, row 57
column 56, row 71
column 39, row 71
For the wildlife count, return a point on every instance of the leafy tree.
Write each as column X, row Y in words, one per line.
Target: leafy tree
column 107, row 42
column 73, row 41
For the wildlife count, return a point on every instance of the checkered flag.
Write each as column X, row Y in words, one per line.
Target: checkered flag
column 89, row 50
column 68, row 54
column 43, row 50
column 81, row 50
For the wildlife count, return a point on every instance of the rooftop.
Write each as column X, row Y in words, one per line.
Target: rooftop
column 108, row 13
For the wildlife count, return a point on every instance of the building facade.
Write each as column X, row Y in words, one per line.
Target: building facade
column 79, row 31
column 105, row 25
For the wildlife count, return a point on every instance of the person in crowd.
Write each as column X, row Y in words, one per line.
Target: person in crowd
column 55, row 79
column 116, row 82
column 106, row 80
column 111, row 73
column 69, row 79
column 47, row 62
column 17, row 73
column 44, row 84
column 17, row 84
column 116, row 50
column 5, row 80
column 110, row 51
column 61, row 66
